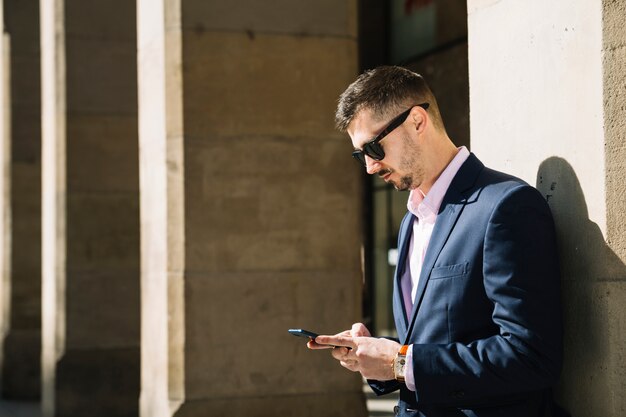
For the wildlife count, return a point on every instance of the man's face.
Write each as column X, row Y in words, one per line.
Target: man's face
column 402, row 165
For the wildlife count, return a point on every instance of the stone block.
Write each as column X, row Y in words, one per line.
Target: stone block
column 98, row 383
column 25, row 83
column 101, row 76
column 26, row 299
column 246, row 211
column 21, row 19
column 614, row 62
column 26, row 218
column 235, row 84
column 112, row 20
column 102, row 153
column 298, row 17
column 21, row 370
column 26, row 133
column 102, row 309
column 237, row 344
column 336, row 404
column 102, row 232
column 593, row 367
column 613, row 13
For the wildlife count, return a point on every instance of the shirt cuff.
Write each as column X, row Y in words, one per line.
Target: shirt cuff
column 409, row 378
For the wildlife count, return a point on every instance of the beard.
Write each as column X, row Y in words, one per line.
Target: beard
column 406, row 183
column 411, row 163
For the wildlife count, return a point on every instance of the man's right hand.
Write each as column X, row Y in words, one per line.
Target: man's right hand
column 357, row 330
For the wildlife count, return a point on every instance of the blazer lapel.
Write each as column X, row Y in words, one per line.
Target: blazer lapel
column 399, row 310
column 451, row 207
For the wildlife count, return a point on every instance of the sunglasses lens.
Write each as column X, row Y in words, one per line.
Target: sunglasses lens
column 359, row 156
column 374, row 151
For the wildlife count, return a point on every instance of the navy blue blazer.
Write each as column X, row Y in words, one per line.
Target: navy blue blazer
column 486, row 324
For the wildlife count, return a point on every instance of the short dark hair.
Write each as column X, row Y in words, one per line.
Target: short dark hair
column 386, row 91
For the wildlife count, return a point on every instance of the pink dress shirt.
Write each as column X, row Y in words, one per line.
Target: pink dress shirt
column 425, row 208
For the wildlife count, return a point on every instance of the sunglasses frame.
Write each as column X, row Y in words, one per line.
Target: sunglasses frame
column 372, row 148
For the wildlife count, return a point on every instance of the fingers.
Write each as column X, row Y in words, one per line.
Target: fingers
column 359, row 330
column 341, row 354
column 338, row 340
column 315, row 346
column 345, row 358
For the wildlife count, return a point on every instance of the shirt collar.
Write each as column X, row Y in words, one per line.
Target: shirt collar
column 426, row 207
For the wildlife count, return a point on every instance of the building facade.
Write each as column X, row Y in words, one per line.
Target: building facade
column 175, row 196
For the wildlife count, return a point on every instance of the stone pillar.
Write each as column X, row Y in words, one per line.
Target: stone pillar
column 250, row 207
column 5, row 202
column 90, row 209
column 22, row 345
column 547, row 98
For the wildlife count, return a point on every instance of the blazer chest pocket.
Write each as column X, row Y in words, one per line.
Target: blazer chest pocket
column 449, row 271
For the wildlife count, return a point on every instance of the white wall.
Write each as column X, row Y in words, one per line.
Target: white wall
column 536, row 89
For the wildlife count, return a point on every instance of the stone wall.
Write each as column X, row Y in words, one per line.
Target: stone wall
column 546, row 99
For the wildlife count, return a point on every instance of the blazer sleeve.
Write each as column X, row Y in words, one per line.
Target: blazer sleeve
column 384, row 387
column 521, row 278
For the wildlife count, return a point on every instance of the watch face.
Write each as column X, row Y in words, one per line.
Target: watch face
column 400, row 366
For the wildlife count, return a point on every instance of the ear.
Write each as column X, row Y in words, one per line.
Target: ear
column 420, row 118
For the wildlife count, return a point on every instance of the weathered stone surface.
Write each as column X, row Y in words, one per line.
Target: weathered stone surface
column 112, row 20
column 244, row 328
column 260, row 219
column 25, row 81
column 104, row 154
column 22, row 345
column 102, row 76
column 614, row 62
column 259, row 91
column 295, row 17
column 102, row 232
column 251, row 212
column 336, row 404
column 115, row 326
column 108, row 382
column 595, row 319
column 21, row 373
column 91, row 210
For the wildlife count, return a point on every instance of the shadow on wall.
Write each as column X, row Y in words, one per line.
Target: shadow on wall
column 588, row 269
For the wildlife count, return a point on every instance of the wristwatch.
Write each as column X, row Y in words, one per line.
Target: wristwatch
column 399, row 363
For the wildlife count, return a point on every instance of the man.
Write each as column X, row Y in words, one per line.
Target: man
column 476, row 291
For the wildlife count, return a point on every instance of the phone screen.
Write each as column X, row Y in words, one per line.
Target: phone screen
column 303, row 333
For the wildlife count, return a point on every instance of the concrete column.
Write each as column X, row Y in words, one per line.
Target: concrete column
column 547, row 98
column 90, row 209
column 22, row 345
column 250, row 207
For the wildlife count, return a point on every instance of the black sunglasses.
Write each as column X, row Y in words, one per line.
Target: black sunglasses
column 373, row 149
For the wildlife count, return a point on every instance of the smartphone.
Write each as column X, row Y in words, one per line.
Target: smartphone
column 303, row 333
column 310, row 335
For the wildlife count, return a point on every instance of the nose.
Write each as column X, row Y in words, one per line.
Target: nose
column 372, row 166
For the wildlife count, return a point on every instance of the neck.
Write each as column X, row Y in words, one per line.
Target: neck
column 441, row 154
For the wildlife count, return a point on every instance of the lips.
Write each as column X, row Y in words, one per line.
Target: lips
column 385, row 175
